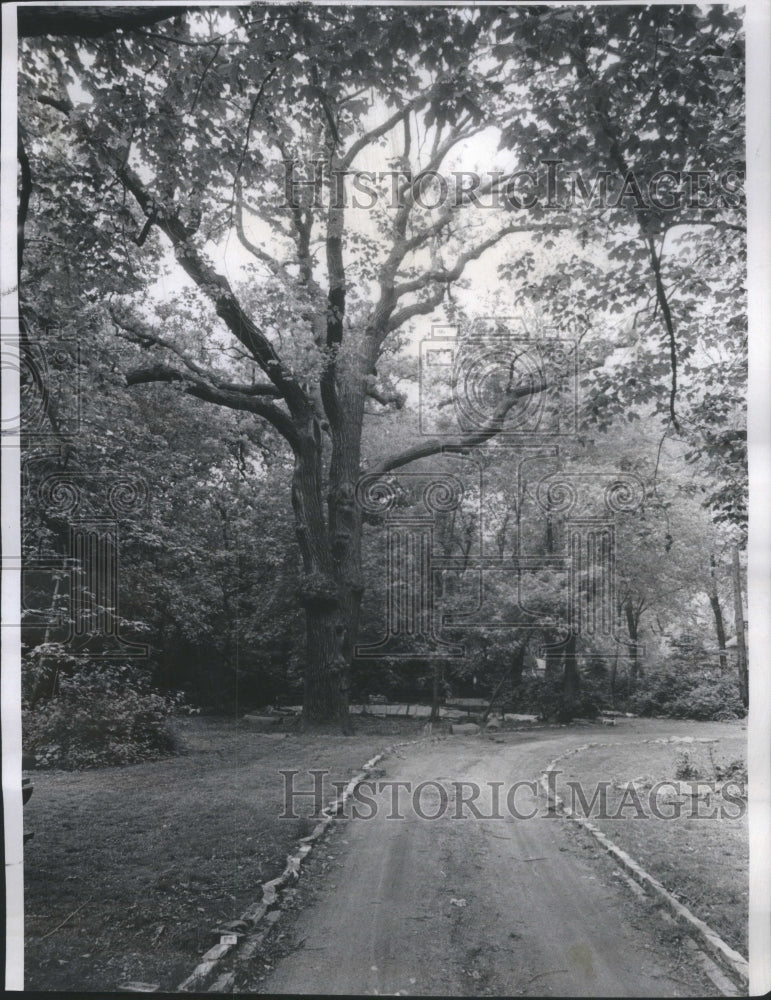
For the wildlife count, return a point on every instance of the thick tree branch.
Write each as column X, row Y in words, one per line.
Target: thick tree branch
column 663, row 301
column 322, row 327
column 147, row 339
column 333, row 135
column 250, row 122
column 218, row 290
column 395, row 399
column 215, row 286
column 219, row 395
column 380, row 323
column 617, row 157
column 276, row 268
column 434, row 446
column 90, row 21
column 712, row 223
column 60, row 104
column 25, row 190
column 422, row 308
column 382, row 129
column 446, row 277
column 302, row 221
column 335, row 305
column 205, row 73
column 493, row 186
column 451, row 274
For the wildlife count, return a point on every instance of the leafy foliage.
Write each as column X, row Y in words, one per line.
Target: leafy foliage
column 272, row 336
column 687, row 695
column 547, row 697
column 98, row 717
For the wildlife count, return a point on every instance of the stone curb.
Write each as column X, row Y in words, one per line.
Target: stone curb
column 247, row 935
column 714, row 944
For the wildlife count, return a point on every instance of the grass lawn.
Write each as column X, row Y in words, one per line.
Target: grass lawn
column 704, row 861
column 131, row 868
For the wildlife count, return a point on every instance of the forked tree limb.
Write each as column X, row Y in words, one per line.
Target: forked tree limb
column 434, row 446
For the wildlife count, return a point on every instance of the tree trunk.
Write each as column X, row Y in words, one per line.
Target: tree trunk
column 613, row 678
column 512, row 674
column 332, row 619
column 570, row 677
column 631, row 626
column 325, row 683
column 717, row 611
column 435, row 691
column 553, row 663
column 319, row 593
column 330, row 544
column 90, row 21
column 741, row 645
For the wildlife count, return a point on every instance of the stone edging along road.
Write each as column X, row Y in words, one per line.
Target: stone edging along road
column 708, row 938
column 245, row 935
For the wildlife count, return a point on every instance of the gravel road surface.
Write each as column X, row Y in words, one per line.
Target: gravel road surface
column 477, row 906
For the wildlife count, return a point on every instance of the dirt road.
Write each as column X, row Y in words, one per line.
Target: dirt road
column 472, row 906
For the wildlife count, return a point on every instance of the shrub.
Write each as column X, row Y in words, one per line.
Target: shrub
column 680, row 695
column 99, row 716
column 685, row 769
column 733, row 770
column 546, row 697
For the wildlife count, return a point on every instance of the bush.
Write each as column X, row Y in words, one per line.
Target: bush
column 685, row 769
column 99, row 716
column 546, row 697
column 680, row 695
column 734, row 770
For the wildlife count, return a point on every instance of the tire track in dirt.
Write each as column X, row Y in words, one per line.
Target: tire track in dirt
column 477, row 906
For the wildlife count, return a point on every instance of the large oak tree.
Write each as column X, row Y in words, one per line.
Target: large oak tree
column 235, row 126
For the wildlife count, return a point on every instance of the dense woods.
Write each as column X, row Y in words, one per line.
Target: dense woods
column 297, row 283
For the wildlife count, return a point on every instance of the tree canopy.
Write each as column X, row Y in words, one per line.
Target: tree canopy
column 261, row 211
